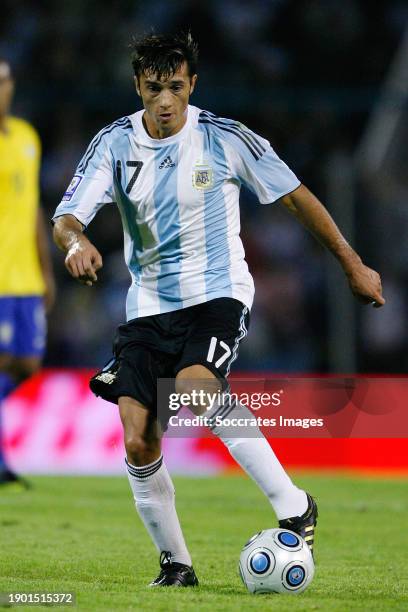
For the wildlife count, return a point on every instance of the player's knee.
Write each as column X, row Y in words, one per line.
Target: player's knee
column 184, row 385
column 135, row 447
column 196, row 378
column 141, row 450
column 189, row 388
column 198, row 385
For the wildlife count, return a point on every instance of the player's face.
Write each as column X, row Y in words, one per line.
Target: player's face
column 165, row 100
column 6, row 88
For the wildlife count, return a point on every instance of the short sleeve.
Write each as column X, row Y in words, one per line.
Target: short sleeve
column 92, row 184
column 259, row 168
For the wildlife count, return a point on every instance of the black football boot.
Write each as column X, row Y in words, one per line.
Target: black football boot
column 303, row 525
column 174, row 574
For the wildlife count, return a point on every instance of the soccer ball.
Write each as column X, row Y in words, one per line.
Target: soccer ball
column 276, row 561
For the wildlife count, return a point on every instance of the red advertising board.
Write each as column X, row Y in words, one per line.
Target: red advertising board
column 54, row 424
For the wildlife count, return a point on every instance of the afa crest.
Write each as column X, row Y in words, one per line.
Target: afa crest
column 203, row 176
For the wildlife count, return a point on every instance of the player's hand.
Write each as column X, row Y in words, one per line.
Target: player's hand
column 365, row 284
column 82, row 261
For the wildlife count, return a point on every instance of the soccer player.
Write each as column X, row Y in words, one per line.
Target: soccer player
column 26, row 279
column 175, row 172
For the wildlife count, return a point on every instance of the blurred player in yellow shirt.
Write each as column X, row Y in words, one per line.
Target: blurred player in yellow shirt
column 26, row 281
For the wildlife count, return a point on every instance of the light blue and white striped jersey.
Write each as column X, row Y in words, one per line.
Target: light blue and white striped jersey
column 179, row 202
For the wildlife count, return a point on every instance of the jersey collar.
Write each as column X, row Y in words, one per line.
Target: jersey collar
column 144, row 137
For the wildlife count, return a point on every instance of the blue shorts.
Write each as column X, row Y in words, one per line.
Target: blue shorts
column 22, row 326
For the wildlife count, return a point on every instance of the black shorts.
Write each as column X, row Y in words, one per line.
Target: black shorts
column 159, row 346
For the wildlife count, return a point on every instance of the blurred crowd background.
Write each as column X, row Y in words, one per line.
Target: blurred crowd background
column 305, row 74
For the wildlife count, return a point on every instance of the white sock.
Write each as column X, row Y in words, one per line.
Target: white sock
column 257, row 458
column 153, row 492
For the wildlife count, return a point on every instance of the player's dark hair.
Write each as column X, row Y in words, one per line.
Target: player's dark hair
column 163, row 54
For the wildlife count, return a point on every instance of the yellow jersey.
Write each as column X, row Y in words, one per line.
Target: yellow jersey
column 20, row 152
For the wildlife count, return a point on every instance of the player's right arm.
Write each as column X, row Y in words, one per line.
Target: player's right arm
column 83, row 259
column 90, row 189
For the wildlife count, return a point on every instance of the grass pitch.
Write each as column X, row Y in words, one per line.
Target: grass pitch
column 83, row 535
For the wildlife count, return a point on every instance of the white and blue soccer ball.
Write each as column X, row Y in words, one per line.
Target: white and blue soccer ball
column 276, row 561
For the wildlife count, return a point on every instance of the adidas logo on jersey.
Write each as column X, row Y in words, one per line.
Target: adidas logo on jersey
column 167, row 163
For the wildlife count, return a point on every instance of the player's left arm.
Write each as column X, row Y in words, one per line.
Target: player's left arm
column 44, row 255
column 364, row 282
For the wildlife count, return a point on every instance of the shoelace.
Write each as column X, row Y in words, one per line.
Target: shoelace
column 165, row 558
column 167, row 567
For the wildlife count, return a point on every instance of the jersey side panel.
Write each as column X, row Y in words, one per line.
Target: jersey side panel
column 217, row 276
column 241, row 280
